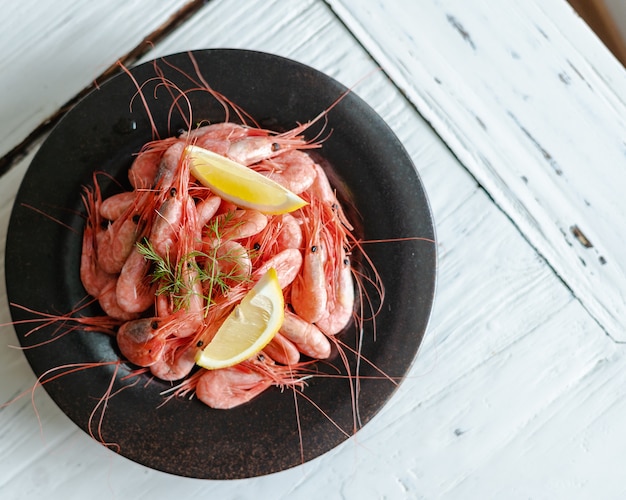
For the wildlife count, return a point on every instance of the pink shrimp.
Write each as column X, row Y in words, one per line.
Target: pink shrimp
column 242, row 224
column 142, row 341
column 254, row 148
column 293, row 169
column 233, row 262
column 116, row 205
column 144, row 169
column 134, row 290
column 168, row 170
column 309, row 296
column 207, row 208
column 191, row 316
column 177, row 214
column 290, row 233
column 233, row 225
column 287, row 264
column 230, row 387
column 115, row 243
column 228, row 131
column 163, row 305
column 109, row 304
column 175, row 363
column 341, row 306
column 309, row 340
column 166, row 226
column 282, row 350
column 93, row 277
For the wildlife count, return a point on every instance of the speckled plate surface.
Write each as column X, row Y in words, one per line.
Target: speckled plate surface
column 183, row 437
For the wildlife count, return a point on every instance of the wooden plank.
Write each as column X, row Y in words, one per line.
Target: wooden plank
column 509, row 350
column 533, row 105
column 57, row 49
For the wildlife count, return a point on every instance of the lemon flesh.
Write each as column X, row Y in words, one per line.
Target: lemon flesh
column 239, row 184
column 248, row 328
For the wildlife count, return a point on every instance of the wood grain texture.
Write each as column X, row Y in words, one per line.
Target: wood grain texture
column 516, row 392
column 50, row 51
column 533, row 105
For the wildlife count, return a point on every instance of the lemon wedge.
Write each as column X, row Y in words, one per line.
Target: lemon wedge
column 248, row 328
column 239, row 184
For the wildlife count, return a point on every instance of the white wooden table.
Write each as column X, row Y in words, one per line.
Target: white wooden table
column 514, row 114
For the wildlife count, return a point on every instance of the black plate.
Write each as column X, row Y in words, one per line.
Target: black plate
column 184, row 437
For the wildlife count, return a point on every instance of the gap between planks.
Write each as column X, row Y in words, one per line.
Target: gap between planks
column 19, row 151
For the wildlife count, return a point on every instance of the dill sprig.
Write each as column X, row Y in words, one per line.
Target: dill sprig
column 177, row 279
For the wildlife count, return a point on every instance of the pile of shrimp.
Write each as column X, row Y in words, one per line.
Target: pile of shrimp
column 169, row 260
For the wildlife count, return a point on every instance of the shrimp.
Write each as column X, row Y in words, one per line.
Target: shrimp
column 142, row 341
column 241, row 224
column 309, row 296
column 227, row 388
column 227, row 131
column 254, row 148
column 134, row 290
column 177, row 213
column 109, row 304
column 168, row 169
column 290, row 233
column 222, row 238
column 287, row 264
column 206, row 209
column 341, row 308
column 115, row 206
column 175, row 363
column 191, row 317
column 116, row 242
column 233, row 262
column 143, row 171
column 93, row 277
column 282, row 350
column 294, row 170
column 165, row 230
column 309, row 339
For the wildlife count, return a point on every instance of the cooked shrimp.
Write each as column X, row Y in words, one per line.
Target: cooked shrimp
column 168, row 171
column 94, row 278
column 116, row 242
column 142, row 341
column 341, row 307
column 109, row 304
column 144, row 169
column 309, row 340
column 282, row 350
column 174, row 364
column 164, row 232
column 207, row 208
column 230, row 387
column 290, row 233
column 134, row 290
column 293, row 169
column 287, row 264
column 115, row 206
column 233, row 262
column 243, row 223
column 309, row 296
